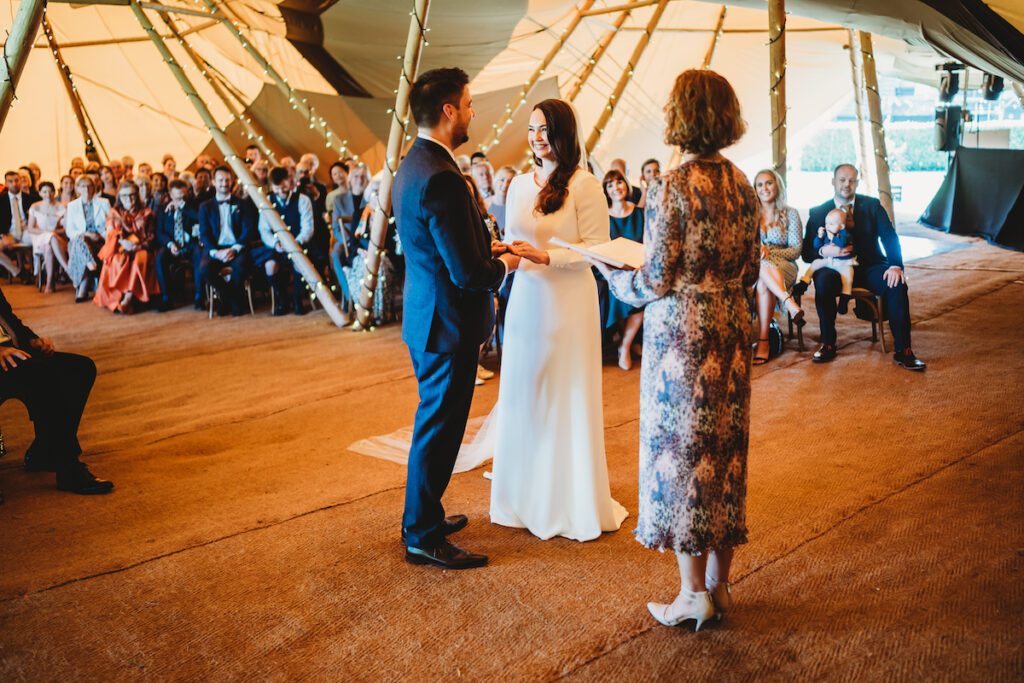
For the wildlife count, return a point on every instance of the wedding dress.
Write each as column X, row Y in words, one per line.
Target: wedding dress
column 550, row 474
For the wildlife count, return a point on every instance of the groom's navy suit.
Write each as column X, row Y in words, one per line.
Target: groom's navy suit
column 448, row 313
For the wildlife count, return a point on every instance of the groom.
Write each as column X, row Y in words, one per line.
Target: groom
column 452, row 270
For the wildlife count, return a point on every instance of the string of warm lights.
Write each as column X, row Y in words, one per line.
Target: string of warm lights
column 87, row 129
column 295, row 253
column 494, row 136
column 595, row 56
column 875, row 120
column 381, row 215
column 298, row 102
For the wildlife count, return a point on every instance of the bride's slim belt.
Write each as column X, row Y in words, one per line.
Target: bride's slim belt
column 711, row 287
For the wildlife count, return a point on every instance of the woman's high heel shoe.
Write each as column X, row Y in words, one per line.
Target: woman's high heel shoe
column 721, row 596
column 798, row 316
column 697, row 606
column 761, row 360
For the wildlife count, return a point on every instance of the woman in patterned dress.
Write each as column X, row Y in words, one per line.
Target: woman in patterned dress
column 781, row 242
column 702, row 260
column 129, row 272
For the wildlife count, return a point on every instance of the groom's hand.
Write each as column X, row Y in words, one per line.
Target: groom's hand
column 510, row 260
column 498, row 248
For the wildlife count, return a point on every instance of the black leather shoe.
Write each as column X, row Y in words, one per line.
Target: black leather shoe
column 80, row 480
column 198, row 305
column 38, row 463
column 165, row 305
column 800, row 288
column 445, row 554
column 908, row 361
column 826, row 353
column 449, row 526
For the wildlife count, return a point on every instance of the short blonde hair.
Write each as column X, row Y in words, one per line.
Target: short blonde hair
column 702, row 115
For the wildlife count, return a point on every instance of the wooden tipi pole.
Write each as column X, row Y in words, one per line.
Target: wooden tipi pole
column 396, row 139
column 877, row 129
column 494, row 136
column 709, row 55
column 777, row 79
column 88, row 135
column 285, row 238
column 595, row 57
column 250, row 130
column 296, row 100
column 856, row 70
column 627, row 74
column 16, row 51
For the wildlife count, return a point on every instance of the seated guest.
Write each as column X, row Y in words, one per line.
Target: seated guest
column 626, row 220
column 296, row 210
column 339, row 181
column 253, row 154
column 319, row 247
column 145, row 191
column 79, row 163
column 780, row 248
column 14, row 205
column 205, row 161
column 483, row 176
column 128, row 275
column 387, row 300
column 342, row 218
column 67, row 190
column 108, row 185
column 358, row 183
column 170, row 167
column 202, row 186
column 496, row 204
column 94, row 168
column 54, row 387
column 159, row 192
column 225, row 231
column 76, row 173
column 464, row 163
column 118, row 168
column 635, row 193
column 85, row 226
column 47, row 234
column 129, row 166
column 145, row 170
column 288, row 163
column 649, row 172
column 834, row 233
column 261, row 174
column 29, row 178
column 882, row 273
column 176, row 246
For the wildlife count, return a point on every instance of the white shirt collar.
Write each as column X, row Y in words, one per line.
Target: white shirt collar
column 840, row 206
column 445, row 147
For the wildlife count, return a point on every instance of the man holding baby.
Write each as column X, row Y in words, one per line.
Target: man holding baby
column 866, row 225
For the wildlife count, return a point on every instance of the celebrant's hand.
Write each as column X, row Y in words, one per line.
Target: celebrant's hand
column 530, row 253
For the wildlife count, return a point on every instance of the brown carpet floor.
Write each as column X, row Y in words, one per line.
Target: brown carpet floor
column 243, row 541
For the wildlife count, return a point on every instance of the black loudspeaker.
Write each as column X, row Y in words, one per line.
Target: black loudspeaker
column 991, row 86
column 947, row 128
column 949, row 86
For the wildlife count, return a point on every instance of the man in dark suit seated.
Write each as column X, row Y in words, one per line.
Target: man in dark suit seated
column 452, row 272
column 881, row 272
column 225, row 231
column 176, row 245
column 15, row 201
column 54, row 387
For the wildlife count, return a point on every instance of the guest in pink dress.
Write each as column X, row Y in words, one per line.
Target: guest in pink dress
column 128, row 274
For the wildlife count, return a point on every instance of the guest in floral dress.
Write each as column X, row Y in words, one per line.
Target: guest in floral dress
column 702, row 260
column 129, row 273
column 781, row 242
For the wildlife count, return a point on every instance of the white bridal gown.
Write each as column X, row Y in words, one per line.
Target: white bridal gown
column 550, row 474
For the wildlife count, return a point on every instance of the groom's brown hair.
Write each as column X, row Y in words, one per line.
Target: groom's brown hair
column 434, row 89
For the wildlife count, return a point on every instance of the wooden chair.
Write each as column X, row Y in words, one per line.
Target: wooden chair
column 799, row 329
column 211, row 293
column 873, row 311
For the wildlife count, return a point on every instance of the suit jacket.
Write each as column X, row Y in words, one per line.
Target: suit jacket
column 22, row 333
column 74, row 219
column 6, row 217
column 448, row 305
column 871, row 225
column 165, row 226
column 209, row 224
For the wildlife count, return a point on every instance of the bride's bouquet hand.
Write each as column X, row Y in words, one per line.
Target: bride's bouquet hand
column 530, row 253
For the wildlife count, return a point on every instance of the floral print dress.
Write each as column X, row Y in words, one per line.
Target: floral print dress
column 702, row 260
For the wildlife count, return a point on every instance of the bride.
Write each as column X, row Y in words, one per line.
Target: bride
column 550, row 474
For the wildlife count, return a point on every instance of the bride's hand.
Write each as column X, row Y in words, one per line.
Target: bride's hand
column 531, row 253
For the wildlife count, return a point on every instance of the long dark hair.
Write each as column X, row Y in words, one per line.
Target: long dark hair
column 565, row 143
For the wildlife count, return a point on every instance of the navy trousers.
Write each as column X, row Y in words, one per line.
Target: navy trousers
column 446, row 382
column 828, row 287
column 165, row 259
column 232, row 292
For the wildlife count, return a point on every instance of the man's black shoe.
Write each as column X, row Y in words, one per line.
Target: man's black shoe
column 279, row 310
column 38, row 463
column 78, row 479
column 908, row 361
column 165, row 305
column 826, row 353
column 198, row 305
column 445, row 554
column 449, row 526
column 299, row 309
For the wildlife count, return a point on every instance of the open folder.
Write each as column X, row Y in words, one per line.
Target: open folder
column 619, row 253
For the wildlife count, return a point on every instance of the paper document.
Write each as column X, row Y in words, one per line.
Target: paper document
column 619, row 253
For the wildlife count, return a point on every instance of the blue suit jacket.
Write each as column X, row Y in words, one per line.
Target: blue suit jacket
column 449, row 272
column 165, row 226
column 242, row 223
column 871, row 225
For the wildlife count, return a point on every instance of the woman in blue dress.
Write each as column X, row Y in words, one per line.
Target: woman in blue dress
column 626, row 221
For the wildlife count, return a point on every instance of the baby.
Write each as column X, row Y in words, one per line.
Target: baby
column 834, row 233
